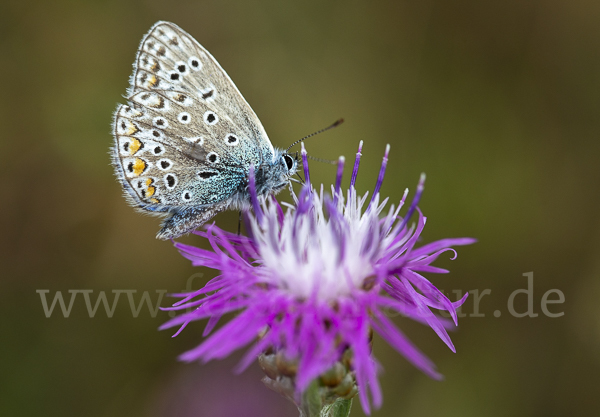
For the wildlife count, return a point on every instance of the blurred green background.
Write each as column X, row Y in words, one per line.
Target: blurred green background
column 498, row 102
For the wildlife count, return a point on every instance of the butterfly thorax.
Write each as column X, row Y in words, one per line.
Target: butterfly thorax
column 270, row 178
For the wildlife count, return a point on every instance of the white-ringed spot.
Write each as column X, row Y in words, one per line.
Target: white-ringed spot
column 212, row 157
column 211, row 118
column 184, row 117
column 186, row 195
column 195, row 63
column 170, row 181
column 231, row 140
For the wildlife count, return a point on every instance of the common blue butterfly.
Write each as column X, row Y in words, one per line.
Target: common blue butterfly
column 186, row 139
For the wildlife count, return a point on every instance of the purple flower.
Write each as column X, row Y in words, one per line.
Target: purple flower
column 316, row 279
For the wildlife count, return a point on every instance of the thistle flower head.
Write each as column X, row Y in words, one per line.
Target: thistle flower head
column 314, row 279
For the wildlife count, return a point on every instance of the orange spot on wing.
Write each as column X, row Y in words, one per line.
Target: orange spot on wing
column 150, row 191
column 134, row 146
column 131, row 129
column 154, row 200
column 139, row 166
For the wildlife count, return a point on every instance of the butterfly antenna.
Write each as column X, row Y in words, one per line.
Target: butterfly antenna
column 336, row 124
column 326, row 161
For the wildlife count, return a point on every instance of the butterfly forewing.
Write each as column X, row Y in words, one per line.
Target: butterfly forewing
column 170, row 61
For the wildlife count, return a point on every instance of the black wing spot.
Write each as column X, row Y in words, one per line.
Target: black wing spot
column 181, row 68
column 165, row 164
column 210, row 118
column 130, row 167
column 231, row 139
column 213, row 157
column 174, row 76
column 155, row 133
column 126, row 146
column 195, row 63
column 170, row 180
column 207, row 174
column 157, row 150
column 207, row 95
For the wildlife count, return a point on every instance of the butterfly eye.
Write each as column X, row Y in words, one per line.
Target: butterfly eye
column 289, row 161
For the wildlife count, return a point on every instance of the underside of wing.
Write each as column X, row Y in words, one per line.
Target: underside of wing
column 159, row 177
column 171, row 62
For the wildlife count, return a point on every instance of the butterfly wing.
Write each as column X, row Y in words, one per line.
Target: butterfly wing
column 186, row 138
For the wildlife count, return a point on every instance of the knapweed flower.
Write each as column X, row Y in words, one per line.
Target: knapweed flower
column 310, row 284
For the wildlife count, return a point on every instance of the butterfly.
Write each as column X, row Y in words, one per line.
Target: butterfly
column 186, row 139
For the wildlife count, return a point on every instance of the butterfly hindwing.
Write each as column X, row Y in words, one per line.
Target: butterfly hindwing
column 157, row 174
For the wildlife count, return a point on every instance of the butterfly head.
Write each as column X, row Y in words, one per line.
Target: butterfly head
column 277, row 175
